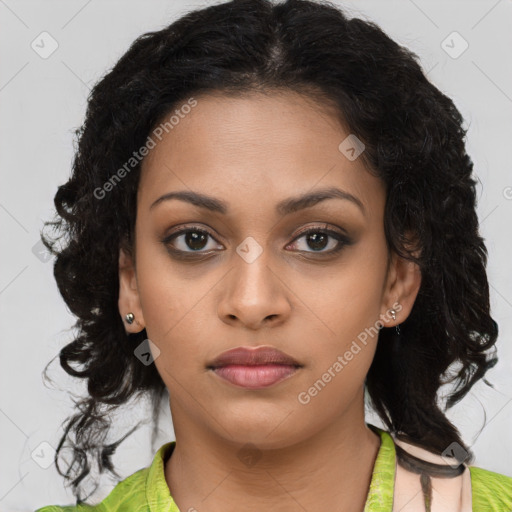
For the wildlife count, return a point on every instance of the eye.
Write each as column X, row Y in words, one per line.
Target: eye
column 317, row 238
column 192, row 238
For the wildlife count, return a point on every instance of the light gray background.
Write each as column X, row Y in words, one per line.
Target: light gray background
column 43, row 100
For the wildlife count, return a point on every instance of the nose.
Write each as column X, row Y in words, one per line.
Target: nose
column 254, row 294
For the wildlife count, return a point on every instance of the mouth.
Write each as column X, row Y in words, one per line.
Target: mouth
column 254, row 368
column 255, row 376
column 253, row 356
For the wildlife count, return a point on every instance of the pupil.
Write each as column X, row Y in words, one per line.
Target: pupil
column 193, row 238
column 197, row 240
column 316, row 237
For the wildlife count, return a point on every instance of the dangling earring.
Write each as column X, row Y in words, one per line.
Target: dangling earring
column 397, row 327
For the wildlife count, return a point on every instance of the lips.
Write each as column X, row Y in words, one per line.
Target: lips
column 262, row 355
column 254, row 368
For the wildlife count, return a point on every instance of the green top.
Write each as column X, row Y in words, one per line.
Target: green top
column 146, row 490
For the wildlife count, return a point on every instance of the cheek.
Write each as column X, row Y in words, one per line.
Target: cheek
column 165, row 298
column 342, row 357
column 350, row 299
column 173, row 326
column 172, row 322
column 346, row 310
column 167, row 303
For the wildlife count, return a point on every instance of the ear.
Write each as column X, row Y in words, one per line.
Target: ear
column 401, row 289
column 129, row 301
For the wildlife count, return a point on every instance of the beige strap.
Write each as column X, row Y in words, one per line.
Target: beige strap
column 448, row 494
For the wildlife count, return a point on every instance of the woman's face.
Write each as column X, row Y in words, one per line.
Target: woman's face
column 250, row 277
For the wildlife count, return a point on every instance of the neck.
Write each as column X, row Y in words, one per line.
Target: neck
column 331, row 469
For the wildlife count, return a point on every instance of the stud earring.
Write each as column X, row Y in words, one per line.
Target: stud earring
column 130, row 317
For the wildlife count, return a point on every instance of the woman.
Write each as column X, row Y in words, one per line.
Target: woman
column 272, row 216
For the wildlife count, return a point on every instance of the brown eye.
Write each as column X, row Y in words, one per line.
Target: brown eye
column 189, row 240
column 317, row 239
column 192, row 241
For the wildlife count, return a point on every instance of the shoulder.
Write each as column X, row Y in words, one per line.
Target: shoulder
column 129, row 495
column 132, row 493
column 486, row 490
column 491, row 491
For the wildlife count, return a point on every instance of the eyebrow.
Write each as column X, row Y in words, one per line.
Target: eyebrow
column 285, row 207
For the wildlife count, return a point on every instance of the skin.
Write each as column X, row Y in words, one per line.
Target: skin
column 253, row 152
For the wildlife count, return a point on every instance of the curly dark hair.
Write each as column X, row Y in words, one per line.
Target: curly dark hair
column 415, row 143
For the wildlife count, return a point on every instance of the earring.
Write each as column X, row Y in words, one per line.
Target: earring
column 129, row 318
column 393, row 314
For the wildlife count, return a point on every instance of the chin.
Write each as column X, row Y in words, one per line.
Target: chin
column 266, row 433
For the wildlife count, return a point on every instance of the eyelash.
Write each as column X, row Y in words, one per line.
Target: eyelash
column 339, row 237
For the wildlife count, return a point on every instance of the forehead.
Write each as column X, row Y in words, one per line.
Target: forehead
column 254, row 147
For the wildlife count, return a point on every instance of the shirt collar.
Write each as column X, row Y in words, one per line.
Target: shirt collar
column 379, row 499
column 380, row 494
column 157, row 491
